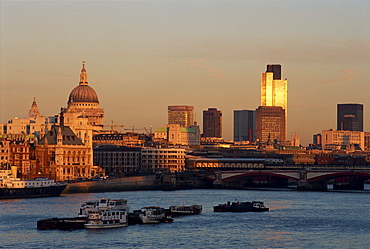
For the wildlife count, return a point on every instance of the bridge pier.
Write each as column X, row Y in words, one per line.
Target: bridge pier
column 217, row 183
column 304, row 185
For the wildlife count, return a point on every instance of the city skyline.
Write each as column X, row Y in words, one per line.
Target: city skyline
column 142, row 56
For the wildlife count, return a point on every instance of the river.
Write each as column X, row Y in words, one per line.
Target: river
column 295, row 220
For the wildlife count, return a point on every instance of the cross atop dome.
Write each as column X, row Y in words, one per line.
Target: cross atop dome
column 83, row 75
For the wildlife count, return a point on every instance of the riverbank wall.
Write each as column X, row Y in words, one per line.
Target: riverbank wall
column 170, row 181
column 148, row 182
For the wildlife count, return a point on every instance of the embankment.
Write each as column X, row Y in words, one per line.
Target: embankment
column 148, row 182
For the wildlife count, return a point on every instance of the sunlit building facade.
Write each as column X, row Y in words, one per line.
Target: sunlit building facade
column 341, row 137
column 274, row 93
column 63, row 156
column 162, row 159
column 34, row 124
column 274, row 90
column 181, row 114
column 176, row 135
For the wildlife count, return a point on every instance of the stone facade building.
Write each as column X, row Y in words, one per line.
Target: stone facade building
column 114, row 159
column 162, row 159
column 62, row 155
column 176, row 135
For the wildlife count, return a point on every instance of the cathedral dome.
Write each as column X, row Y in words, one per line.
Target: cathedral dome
column 83, row 92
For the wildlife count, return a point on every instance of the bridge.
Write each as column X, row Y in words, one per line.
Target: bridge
column 306, row 179
column 262, row 172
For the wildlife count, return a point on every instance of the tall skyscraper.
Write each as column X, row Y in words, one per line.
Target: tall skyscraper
column 274, row 93
column 270, row 123
column 274, row 88
column 212, row 123
column 350, row 117
column 244, row 125
column 181, row 114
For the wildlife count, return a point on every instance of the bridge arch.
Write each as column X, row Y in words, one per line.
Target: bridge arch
column 261, row 173
column 333, row 175
column 306, row 179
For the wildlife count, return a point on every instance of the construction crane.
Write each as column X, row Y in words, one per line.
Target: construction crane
column 113, row 126
column 145, row 129
column 250, row 134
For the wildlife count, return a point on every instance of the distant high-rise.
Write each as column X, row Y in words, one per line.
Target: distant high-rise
column 274, row 91
column 212, row 123
column 244, row 125
column 181, row 114
column 350, row 117
column 270, row 123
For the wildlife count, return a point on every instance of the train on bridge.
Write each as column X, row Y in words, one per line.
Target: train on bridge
column 344, row 172
column 319, row 162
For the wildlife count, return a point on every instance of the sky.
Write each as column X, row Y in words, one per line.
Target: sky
column 142, row 56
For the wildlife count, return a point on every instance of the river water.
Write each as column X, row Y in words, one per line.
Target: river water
column 295, row 220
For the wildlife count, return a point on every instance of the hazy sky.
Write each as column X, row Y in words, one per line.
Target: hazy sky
column 142, row 56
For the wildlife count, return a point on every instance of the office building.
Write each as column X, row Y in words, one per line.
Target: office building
column 181, row 114
column 176, row 135
column 343, row 138
column 115, row 159
column 274, row 90
column 168, row 160
column 244, row 125
column 350, row 117
column 317, row 139
column 270, row 123
column 212, row 123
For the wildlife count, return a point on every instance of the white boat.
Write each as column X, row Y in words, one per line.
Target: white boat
column 103, row 213
column 103, row 204
column 106, row 219
column 185, row 209
column 153, row 214
column 259, row 206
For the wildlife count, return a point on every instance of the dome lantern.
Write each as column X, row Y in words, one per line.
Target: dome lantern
column 83, row 75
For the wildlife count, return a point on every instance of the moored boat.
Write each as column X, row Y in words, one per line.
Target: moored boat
column 153, row 214
column 259, row 206
column 61, row 223
column 236, row 206
column 106, row 219
column 13, row 187
column 101, row 205
column 184, row 209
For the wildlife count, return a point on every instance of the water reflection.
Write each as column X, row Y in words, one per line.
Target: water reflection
column 295, row 220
